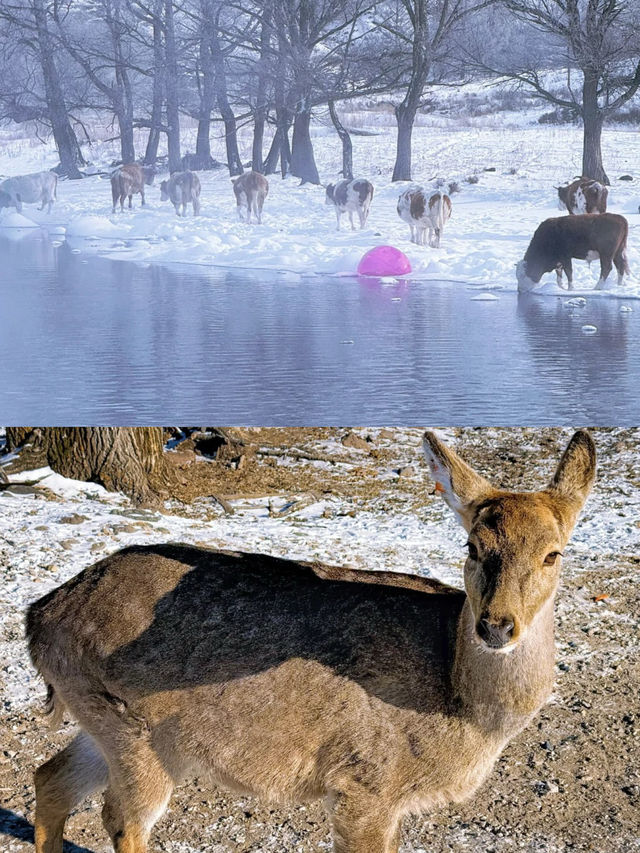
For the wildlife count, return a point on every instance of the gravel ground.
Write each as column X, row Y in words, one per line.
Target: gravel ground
column 571, row 781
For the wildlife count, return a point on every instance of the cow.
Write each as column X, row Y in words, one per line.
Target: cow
column 29, row 189
column 583, row 196
column 350, row 196
column 586, row 236
column 250, row 190
column 182, row 188
column 424, row 213
column 129, row 179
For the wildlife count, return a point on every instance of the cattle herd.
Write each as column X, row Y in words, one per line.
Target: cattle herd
column 588, row 233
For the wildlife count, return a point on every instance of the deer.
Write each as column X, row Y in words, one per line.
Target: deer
column 381, row 693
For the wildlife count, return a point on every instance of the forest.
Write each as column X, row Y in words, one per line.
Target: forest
column 276, row 66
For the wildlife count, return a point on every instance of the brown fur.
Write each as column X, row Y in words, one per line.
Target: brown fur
column 127, row 180
column 181, row 189
column 584, row 196
column 295, row 681
column 556, row 241
column 424, row 213
column 250, row 190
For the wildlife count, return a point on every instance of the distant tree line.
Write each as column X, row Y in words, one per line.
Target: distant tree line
column 273, row 64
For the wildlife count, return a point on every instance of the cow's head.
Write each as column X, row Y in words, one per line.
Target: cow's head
column 6, row 200
column 164, row 190
column 148, row 174
column 328, row 199
column 525, row 284
column 563, row 198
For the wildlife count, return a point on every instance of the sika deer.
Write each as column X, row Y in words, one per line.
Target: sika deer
column 384, row 694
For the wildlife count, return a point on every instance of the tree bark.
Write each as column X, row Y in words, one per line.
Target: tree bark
column 125, row 459
column 151, row 153
column 345, row 138
column 592, row 118
column 66, row 142
column 270, row 164
column 303, row 164
column 171, row 89
column 222, row 99
column 260, row 109
column 405, row 117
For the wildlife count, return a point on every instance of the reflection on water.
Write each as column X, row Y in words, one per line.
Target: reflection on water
column 85, row 339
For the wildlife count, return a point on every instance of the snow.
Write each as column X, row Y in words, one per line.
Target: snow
column 491, row 224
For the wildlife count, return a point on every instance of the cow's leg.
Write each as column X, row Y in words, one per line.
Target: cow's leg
column 142, row 194
column 568, row 268
column 196, row 205
column 621, row 265
column 122, row 198
column 362, row 217
column 130, row 200
column 559, row 274
column 43, row 201
column 605, row 269
column 337, row 219
column 353, row 227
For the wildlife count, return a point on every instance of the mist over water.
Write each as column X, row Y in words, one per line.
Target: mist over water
column 85, row 339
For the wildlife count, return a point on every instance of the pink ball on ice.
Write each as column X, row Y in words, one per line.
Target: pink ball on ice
column 384, row 260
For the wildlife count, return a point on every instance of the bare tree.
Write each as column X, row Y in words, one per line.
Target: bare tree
column 423, row 28
column 600, row 42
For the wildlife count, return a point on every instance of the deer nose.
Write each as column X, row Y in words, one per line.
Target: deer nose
column 496, row 634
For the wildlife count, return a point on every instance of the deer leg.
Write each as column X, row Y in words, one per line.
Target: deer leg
column 363, row 828
column 138, row 793
column 61, row 785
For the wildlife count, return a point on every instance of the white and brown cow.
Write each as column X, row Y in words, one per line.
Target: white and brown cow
column 423, row 213
column 29, row 189
column 583, row 196
column 129, row 179
column 182, row 188
column 586, row 236
column 250, row 189
column 350, row 197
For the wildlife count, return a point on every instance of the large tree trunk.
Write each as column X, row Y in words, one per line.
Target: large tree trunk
column 203, row 158
column 260, row 110
column 126, row 459
column 171, row 89
column 270, row 164
column 303, row 164
column 345, row 138
column 66, row 142
column 151, row 153
column 405, row 116
column 222, row 99
column 592, row 166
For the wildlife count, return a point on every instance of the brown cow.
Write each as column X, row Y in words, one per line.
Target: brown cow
column 250, row 190
column 424, row 213
column 129, row 179
column 583, row 196
column 588, row 236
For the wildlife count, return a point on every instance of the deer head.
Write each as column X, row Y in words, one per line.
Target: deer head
column 515, row 539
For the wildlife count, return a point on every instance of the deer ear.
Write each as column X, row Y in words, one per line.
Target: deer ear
column 576, row 470
column 456, row 481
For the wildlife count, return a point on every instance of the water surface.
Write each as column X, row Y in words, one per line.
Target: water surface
column 90, row 340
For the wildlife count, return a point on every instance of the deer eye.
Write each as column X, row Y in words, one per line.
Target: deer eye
column 473, row 551
column 550, row 559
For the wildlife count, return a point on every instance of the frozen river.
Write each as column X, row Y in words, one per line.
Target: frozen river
column 90, row 340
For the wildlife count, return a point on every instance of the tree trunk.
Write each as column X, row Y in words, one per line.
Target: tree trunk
column 303, row 164
column 126, row 459
column 171, row 89
column 592, row 118
column 405, row 116
column 66, row 142
column 345, row 138
column 125, row 124
column 270, row 164
column 260, row 111
column 151, row 153
column 222, row 99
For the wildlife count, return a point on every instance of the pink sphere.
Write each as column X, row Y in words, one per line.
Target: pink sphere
column 384, row 260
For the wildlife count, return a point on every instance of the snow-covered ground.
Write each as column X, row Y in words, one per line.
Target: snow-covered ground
column 490, row 228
